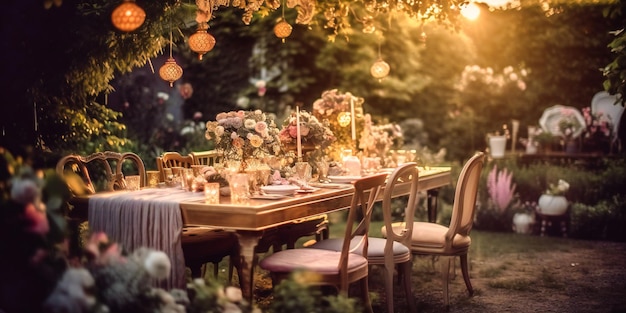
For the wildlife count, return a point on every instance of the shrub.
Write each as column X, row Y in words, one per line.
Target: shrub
column 595, row 190
column 603, row 221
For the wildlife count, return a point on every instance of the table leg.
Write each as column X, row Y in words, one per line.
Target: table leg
column 248, row 240
column 431, row 204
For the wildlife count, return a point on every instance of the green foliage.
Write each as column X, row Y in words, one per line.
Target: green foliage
column 82, row 130
column 602, row 221
column 293, row 295
column 615, row 71
column 598, row 207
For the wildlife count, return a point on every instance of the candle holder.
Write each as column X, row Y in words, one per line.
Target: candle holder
column 212, row 193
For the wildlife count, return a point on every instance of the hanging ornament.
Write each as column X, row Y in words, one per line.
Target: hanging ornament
column 282, row 29
column 128, row 16
column 201, row 42
column 380, row 69
column 170, row 71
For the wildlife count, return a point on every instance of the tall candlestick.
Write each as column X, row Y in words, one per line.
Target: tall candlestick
column 352, row 118
column 298, row 135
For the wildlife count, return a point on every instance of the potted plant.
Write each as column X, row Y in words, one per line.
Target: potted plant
column 523, row 218
column 553, row 202
column 545, row 140
column 497, row 142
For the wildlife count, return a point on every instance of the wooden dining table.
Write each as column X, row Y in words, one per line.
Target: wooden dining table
column 249, row 220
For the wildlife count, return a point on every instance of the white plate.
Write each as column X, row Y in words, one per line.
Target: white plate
column 280, row 189
column 343, row 179
column 307, row 190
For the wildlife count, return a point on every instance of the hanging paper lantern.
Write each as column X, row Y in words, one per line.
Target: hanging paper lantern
column 170, row 71
column 128, row 16
column 201, row 42
column 380, row 69
column 282, row 29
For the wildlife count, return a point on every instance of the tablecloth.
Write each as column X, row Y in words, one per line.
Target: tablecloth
column 150, row 218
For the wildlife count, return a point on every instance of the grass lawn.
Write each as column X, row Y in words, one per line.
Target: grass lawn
column 509, row 273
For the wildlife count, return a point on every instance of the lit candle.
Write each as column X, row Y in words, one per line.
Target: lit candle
column 298, row 136
column 352, row 118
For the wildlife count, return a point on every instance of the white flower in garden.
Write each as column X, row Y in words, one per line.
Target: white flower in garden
column 562, row 186
column 559, row 189
column 71, row 292
column 249, row 123
column 25, row 191
column 233, row 294
column 157, row 264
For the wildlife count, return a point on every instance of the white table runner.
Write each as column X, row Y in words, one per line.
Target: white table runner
column 145, row 218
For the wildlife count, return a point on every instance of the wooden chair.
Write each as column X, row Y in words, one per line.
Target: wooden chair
column 172, row 159
column 393, row 250
column 335, row 268
column 317, row 226
column 108, row 167
column 208, row 158
column 86, row 175
column 202, row 245
column 454, row 240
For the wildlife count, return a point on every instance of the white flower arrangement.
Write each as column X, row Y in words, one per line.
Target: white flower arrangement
column 240, row 135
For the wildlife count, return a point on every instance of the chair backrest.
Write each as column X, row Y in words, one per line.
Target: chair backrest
column 366, row 192
column 465, row 197
column 172, row 159
column 406, row 173
column 107, row 165
column 208, row 158
column 175, row 159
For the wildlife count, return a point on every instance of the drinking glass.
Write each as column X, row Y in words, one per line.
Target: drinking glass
column 132, row 182
column 153, row 178
column 303, row 171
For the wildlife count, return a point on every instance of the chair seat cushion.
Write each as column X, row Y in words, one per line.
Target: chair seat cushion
column 315, row 260
column 431, row 236
column 376, row 246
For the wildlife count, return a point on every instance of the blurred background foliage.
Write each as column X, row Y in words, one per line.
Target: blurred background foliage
column 93, row 89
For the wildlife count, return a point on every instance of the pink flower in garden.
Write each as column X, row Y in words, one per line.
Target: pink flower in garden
column 238, row 142
column 293, row 131
column 285, row 135
column 261, row 127
column 37, row 220
column 101, row 250
column 220, row 116
column 500, row 188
